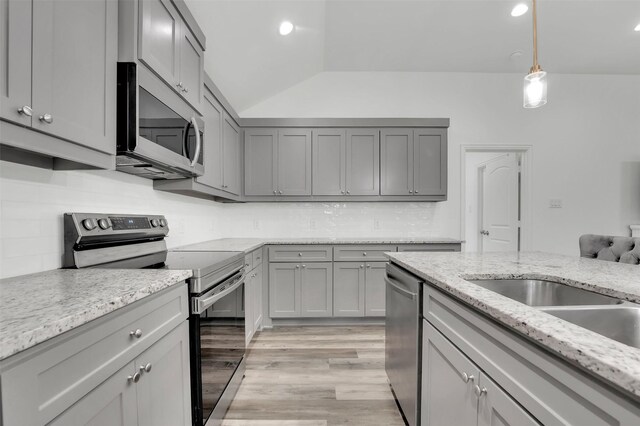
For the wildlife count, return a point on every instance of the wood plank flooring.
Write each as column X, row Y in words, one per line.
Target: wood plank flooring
column 315, row 376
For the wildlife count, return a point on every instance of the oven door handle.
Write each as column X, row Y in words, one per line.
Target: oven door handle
column 204, row 302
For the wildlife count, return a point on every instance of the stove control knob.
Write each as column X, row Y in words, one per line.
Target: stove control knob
column 104, row 223
column 89, row 224
column 163, row 222
column 154, row 223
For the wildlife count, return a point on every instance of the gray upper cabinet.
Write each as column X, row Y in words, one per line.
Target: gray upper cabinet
column 414, row 162
column 173, row 53
column 363, row 162
column 260, row 161
column 329, row 162
column 294, row 162
column 430, row 162
column 231, row 155
column 212, row 144
column 62, row 71
column 191, row 83
column 396, row 169
column 15, row 62
column 277, row 162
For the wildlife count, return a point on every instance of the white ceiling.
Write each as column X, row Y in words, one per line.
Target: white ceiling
column 250, row 61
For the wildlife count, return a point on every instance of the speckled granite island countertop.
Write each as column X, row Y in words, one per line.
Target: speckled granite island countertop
column 38, row 307
column 249, row 244
column 607, row 359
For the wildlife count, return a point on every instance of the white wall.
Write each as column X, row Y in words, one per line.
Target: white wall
column 585, row 142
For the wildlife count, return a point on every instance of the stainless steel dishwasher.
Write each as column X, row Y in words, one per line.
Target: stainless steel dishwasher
column 403, row 333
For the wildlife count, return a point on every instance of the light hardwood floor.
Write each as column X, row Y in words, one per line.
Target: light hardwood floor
column 315, row 376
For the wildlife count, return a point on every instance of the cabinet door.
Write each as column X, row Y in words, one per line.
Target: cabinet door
column 191, row 82
column 259, row 161
column 448, row 396
column 284, row 290
column 329, row 162
column 396, row 167
column 247, row 303
column 317, row 289
column 430, row 161
column 375, row 290
column 74, row 71
column 348, row 289
column 257, row 299
column 363, row 162
column 164, row 396
column 159, row 39
column 212, row 143
column 294, row 162
column 15, row 60
column 113, row 403
column 497, row 408
column 231, row 149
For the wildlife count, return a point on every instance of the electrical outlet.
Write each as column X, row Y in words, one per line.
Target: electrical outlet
column 312, row 224
column 256, row 224
column 555, row 203
column 376, row 224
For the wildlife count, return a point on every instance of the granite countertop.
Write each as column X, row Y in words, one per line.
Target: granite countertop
column 610, row 360
column 38, row 307
column 249, row 244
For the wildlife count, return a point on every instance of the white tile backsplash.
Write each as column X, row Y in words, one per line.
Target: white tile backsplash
column 33, row 201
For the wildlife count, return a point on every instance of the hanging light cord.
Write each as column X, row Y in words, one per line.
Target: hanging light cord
column 536, row 66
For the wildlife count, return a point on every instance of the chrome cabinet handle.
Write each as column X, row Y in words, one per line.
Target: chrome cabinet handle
column 348, row 192
column 198, row 142
column 342, row 192
column 479, row 391
column 137, row 334
column 364, row 253
column 299, row 254
column 146, row 368
column 46, row 118
column 179, row 85
column 135, row 378
column 297, row 266
column 275, row 192
column 410, row 192
column 361, row 266
column 467, row 377
column 415, row 191
column 185, row 90
column 26, row 110
column 304, row 266
column 483, row 232
column 279, row 192
column 368, row 266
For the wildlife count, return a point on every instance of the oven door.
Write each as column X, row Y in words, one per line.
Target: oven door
column 217, row 349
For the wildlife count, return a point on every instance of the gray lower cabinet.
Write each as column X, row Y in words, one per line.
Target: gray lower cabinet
column 413, row 162
column 456, row 392
column 515, row 382
column 359, row 289
column 257, row 299
column 301, row 290
column 130, row 367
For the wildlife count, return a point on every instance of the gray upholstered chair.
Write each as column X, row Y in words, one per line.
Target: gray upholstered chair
column 615, row 249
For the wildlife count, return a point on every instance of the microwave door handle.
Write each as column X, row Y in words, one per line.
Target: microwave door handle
column 198, row 142
column 185, row 140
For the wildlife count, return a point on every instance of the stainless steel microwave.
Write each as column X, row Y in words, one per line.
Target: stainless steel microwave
column 158, row 135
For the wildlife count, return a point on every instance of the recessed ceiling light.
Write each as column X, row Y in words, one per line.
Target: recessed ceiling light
column 285, row 28
column 637, row 28
column 519, row 9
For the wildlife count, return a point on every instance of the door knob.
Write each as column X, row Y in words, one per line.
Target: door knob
column 46, row 118
column 146, row 368
column 26, row 110
column 135, row 378
column 467, row 377
column 479, row 391
column 137, row 333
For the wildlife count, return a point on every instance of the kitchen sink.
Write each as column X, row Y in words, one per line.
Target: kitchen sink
column 618, row 323
column 545, row 293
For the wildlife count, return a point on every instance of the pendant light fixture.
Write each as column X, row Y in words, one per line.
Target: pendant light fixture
column 535, row 83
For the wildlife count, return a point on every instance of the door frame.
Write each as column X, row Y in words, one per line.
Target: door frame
column 526, row 187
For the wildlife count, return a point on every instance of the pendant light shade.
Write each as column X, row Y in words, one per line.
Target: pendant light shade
column 535, row 83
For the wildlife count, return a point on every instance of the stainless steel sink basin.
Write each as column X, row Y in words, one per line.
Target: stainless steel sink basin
column 545, row 293
column 620, row 323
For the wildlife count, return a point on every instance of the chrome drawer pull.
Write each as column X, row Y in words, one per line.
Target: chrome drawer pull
column 135, row 378
column 479, row 391
column 137, row 334
column 467, row 378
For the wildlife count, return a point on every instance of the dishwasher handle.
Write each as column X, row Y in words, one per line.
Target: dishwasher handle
column 398, row 289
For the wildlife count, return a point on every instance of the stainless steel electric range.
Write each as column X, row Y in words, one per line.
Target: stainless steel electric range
column 217, row 337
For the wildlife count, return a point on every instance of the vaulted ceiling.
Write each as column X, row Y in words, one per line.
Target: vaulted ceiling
column 250, row 61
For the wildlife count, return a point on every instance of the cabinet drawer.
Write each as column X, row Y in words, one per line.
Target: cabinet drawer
column 42, row 383
column 361, row 253
column 307, row 253
column 430, row 247
column 248, row 262
column 257, row 257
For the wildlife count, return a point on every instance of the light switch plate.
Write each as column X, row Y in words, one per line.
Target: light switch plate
column 555, row 203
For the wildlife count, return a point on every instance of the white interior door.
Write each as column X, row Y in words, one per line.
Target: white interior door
column 499, row 204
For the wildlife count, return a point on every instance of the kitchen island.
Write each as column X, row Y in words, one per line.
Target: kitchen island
column 557, row 371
